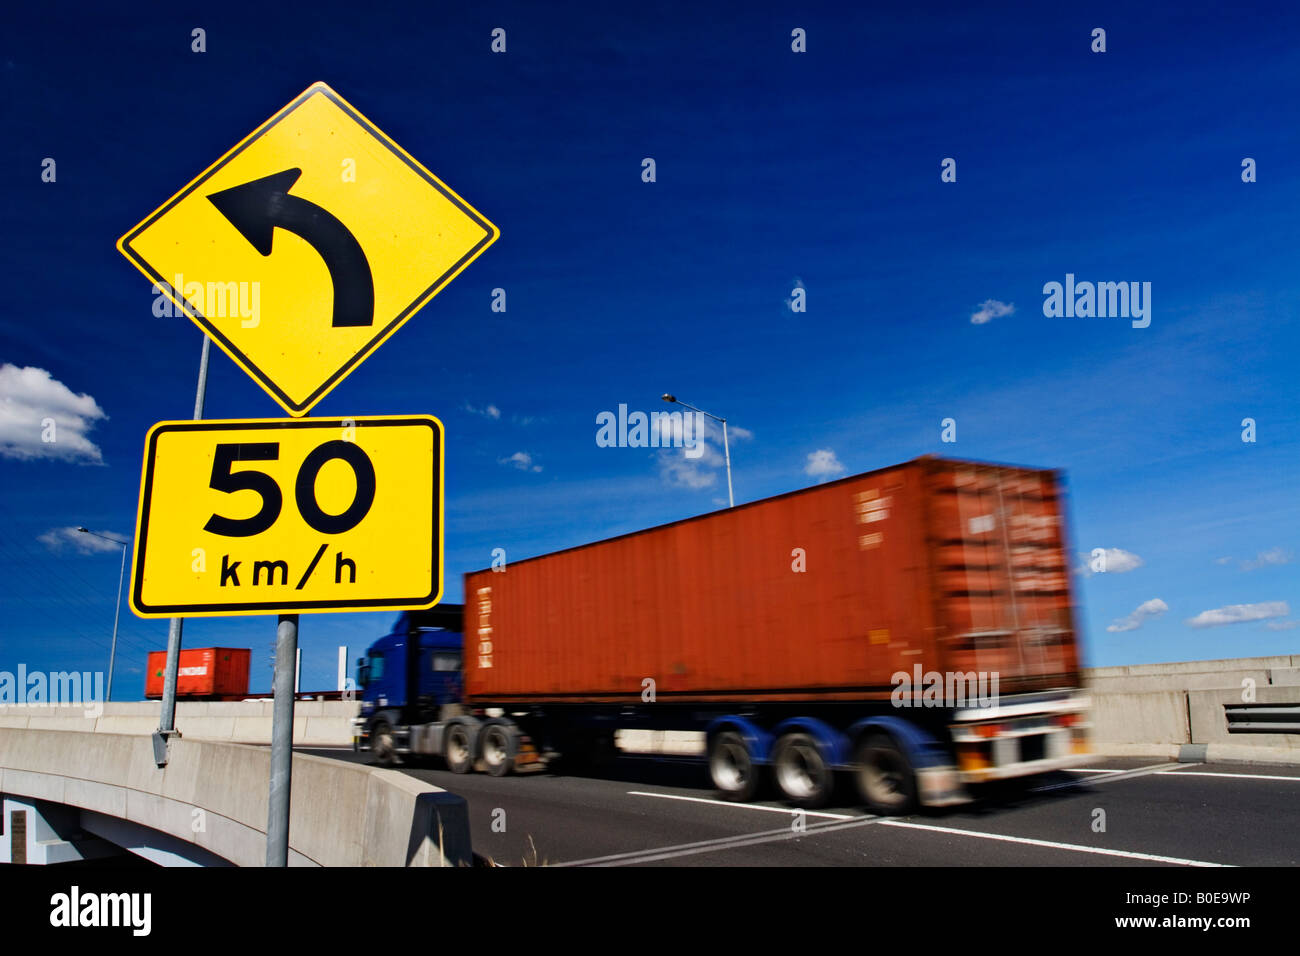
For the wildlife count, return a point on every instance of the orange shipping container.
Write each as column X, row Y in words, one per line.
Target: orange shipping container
column 819, row 594
column 201, row 672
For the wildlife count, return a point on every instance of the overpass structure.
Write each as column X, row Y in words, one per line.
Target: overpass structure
column 70, row 796
column 76, row 782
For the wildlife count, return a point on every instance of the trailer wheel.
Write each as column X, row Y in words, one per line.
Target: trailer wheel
column 499, row 746
column 885, row 777
column 458, row 748
column 382, row 744
column 801, row 771
column 732, row 767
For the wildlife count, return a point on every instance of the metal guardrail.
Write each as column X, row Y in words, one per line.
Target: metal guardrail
column 1262, row 718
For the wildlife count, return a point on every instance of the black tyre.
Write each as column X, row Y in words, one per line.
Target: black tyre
column 732, row 767
column 801, row 772
column 885, row 777
column 498, row 746
column 383, row 744
column 458, row 748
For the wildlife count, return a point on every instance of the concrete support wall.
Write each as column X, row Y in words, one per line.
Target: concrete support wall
column 215, row 795
column 316, row 723
column 1157, row 709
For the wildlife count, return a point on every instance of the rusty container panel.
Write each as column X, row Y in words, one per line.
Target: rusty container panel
column 823, row 593
column 201, row 672
column 1002, row 575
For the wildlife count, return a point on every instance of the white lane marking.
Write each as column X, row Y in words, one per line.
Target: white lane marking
column 1141, row 771
column 1090, row 770
column 747, row 806
column 1050, row 844
column 1181, row 771
column 725, row 843
column 1234, row 776
column 1105, row 776
column 632, row 854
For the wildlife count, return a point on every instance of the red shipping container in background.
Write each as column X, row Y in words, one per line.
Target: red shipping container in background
column 818, row 594
column 203, row 672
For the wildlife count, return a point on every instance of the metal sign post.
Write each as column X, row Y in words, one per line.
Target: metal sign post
column 167, row 721
column 277, row 811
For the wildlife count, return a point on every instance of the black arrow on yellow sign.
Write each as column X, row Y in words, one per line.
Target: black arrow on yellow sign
column 257, row 207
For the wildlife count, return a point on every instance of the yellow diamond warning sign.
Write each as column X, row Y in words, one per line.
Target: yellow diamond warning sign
column 283, row 515
column 307, row 245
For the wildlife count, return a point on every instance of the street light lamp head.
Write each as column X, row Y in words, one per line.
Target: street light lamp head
column 86, row 530
column 669, row 398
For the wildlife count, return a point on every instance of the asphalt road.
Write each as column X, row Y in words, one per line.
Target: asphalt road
column 662, row 812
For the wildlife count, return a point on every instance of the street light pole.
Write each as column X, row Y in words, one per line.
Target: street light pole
column 175, row 627
column 726, row 447
column 117, row 613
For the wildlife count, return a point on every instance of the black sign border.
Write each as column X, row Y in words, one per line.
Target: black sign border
column 261, row 377
column 281, row 607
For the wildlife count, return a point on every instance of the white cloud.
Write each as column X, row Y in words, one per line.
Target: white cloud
column 991, row 309
column 40, row 417
column 1237, row 613
column 1112, row 560
column 1267, row 558
column 487, row 411
column 686, row 474
column 1282, row 625
column 697, row 467
column 1147, row 609
column 521, row 460
column 822, row 465
column 56, row 539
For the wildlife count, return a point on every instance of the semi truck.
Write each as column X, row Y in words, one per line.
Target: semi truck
column 911, row 628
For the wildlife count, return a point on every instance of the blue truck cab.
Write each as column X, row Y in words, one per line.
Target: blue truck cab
column 410, row 676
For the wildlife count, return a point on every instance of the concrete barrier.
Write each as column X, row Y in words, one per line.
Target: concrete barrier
column 316, row 723
column 1177, row 709
column 341, row 814
column 1144, row 709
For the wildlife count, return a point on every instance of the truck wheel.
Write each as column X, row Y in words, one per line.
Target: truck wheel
column 732, row 767
column 801, row 771
column 885, row 777
column 499, row 746
column 458, row 748
column 382, row 744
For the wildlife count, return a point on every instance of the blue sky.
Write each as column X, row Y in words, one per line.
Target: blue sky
column 774, row 170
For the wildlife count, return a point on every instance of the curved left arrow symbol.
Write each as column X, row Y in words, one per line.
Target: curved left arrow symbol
column 257, row 207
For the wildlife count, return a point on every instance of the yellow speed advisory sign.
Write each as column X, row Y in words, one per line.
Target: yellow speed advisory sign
column 283, row 515
column 302, row 249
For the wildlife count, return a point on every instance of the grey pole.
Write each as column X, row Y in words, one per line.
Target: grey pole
column 277, row 814
column 731, row 499
column 167, row 723
column 117, row 616
column 726, row 447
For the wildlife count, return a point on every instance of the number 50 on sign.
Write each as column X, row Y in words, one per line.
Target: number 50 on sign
column 280, row 516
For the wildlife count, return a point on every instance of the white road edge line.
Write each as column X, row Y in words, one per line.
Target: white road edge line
column 725, row 843
column 748, row 806
column 1130, row 854
column 711, row 846
column 1104, row 776
column 1181, row 771
column 1234, row 776
column 1090, row 770
column 1140, row 771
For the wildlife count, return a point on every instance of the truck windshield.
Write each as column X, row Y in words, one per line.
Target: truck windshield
column 370, row 669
